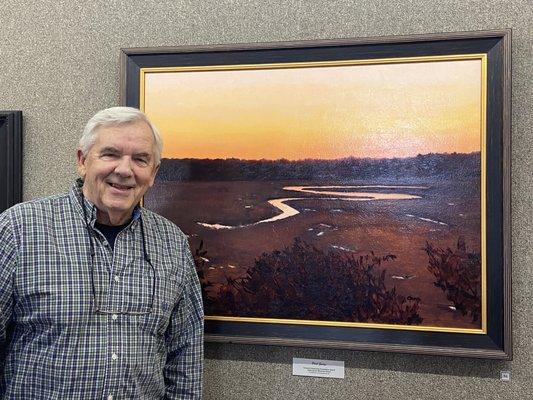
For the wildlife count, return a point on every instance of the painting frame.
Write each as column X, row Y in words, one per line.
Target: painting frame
column 11, row 158
column 495, row 342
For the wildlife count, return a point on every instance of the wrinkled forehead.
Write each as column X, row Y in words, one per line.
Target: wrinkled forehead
column 137, row 133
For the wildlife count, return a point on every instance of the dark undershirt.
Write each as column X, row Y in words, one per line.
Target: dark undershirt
column 110, row 232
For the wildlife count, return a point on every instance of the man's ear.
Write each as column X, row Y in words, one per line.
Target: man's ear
column 154, row 174
column 81, row 163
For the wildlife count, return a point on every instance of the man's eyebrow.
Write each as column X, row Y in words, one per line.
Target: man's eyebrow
column 145, row 155
column 109, row 149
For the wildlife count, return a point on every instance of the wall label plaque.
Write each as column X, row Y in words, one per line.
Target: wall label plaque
column 318, row 368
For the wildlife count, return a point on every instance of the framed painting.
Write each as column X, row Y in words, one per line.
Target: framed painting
column 10, row 158
column 344, row 193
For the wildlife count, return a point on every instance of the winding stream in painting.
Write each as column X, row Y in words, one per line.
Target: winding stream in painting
column 287, row 211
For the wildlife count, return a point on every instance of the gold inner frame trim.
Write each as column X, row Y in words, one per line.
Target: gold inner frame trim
column 393, row 60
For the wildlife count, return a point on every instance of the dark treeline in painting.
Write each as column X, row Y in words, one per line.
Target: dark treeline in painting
column 434, row 166
column 303, row 282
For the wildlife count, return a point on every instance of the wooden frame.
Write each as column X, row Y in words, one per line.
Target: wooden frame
column 493, row 340
column 10, row 158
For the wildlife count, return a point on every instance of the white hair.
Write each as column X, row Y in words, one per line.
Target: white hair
column 117, row 116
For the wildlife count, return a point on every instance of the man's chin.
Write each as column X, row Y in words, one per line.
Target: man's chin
column 121, row 207
column 118, row 204
column 117, row 207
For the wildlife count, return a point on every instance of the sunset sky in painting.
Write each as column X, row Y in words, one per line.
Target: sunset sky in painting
column 385, row 110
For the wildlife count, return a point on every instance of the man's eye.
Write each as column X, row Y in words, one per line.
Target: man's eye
column 142, row 160
column 109, row 155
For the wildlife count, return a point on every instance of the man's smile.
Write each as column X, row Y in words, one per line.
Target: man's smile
column 122, row 188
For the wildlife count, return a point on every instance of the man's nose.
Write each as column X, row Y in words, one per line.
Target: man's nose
column 124, row 167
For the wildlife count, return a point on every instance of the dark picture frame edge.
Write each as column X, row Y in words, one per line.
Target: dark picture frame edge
column 10, row 158
column 127, row 53
column 10, row 167
column 390, row 348
column 497, row 343
column 506, row 189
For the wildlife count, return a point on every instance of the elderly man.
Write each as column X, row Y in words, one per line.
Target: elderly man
column 101, row 294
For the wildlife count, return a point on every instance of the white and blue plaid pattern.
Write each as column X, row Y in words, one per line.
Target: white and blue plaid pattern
column 60, row 347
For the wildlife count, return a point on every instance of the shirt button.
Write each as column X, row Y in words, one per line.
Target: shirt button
column 114, row 316
column 117, row 278
column 114, row 356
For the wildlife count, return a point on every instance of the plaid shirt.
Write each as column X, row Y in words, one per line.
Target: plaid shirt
column 61, row 348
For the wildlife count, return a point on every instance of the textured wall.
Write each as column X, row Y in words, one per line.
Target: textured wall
column 60, row 64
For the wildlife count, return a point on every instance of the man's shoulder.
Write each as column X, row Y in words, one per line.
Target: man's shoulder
column 161, row 223
column 36, row 206
column 40, row 203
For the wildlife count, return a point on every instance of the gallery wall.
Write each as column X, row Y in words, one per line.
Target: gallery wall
column 60, row 64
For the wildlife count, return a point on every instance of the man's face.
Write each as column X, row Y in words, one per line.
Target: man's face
column 118, row 170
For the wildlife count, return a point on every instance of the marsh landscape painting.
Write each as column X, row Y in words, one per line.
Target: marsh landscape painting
column 346, row 193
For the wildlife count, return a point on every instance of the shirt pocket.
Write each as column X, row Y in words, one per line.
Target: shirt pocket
column 56, row 290
column 134, row 291
column 167, row 293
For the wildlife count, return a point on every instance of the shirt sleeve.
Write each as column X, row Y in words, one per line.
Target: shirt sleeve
column 185, row 338
column 8, row 262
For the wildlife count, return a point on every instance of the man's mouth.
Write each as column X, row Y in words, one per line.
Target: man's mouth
column 120, row 187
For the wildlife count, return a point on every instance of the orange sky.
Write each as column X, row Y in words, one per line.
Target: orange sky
column 385, row 110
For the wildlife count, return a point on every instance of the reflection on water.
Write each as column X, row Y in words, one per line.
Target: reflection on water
column 360, row 196
column 288, row 211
